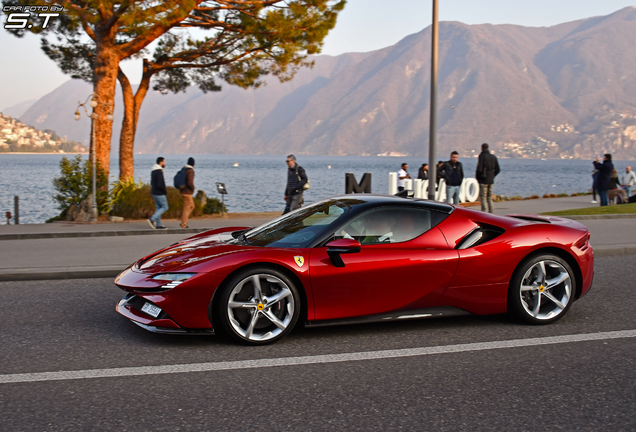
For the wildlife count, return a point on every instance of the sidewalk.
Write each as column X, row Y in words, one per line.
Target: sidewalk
column 63, row 251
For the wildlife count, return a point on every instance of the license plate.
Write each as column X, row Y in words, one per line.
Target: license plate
column 151, row 310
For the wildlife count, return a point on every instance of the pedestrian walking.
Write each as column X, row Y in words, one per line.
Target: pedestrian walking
column 594, row 185
column 453, row 173
column 159, row 193
column 629, row 179
column 403, row 174
column 185, row 184
column 297, row 183
column 604, row 173
column 422, row 173
column 487, row 170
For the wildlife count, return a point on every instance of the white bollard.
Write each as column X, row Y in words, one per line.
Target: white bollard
column 441, row 191
column 417, row 188
column 408, row 184
column 393, row 178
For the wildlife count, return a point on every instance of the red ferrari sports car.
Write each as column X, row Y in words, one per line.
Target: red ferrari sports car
column 360, row 258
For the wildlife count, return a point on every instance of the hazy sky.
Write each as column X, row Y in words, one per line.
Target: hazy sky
column 364, row 25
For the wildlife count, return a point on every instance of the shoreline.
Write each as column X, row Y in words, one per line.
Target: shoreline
column 41, row 153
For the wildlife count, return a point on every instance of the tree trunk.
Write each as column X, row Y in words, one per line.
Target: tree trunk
column 106, row 67
column 132, row 106
column 127, row 137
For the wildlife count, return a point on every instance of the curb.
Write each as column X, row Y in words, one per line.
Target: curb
column 35, row 236
column 614, row 250
column 594, row 217
column 58, row 273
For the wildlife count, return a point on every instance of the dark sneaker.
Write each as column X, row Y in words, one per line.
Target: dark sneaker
column 162, row 227
column 185, row 227
column 151, row 223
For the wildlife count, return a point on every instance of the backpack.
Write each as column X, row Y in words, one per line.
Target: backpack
column 180, row 179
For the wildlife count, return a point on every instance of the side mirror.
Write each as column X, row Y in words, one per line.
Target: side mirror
column 341, row 246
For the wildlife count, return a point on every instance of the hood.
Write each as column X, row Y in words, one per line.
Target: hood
column 189, row 167
column 192, row 251
column 156, row 167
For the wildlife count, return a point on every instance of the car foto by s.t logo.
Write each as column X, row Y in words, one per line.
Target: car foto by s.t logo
column 18, row 16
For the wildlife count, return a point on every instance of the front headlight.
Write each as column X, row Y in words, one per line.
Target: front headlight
column 175, row 277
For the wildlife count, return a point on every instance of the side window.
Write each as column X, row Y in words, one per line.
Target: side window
column 387, row 225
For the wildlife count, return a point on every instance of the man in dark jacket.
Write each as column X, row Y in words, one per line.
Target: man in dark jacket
column 422, row 173
column 487, row 170
column 187, row 192
column 296, row 180
column 604, row 173
column 453, row 174
column 158, row 192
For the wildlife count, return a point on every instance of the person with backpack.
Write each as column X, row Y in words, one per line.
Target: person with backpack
column 184, row 182
column 297, row 183
column 487, row 170
column 159, row 193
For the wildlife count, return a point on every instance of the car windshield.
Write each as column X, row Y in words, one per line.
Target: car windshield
column 297, row 229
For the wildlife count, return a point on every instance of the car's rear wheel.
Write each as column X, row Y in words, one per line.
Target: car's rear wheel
column 258, row 306
column 542, row 289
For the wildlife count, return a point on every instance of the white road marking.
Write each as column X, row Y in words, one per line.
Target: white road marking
column 317, row 359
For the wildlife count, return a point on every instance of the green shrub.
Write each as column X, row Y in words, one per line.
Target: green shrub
column 213, row 206
column 139, row 204
column 75, row 183
column 121, row 190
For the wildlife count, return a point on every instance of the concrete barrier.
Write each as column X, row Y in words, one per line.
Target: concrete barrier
column 468, row 191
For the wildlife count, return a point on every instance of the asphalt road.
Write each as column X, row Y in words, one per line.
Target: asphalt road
column 50, row 326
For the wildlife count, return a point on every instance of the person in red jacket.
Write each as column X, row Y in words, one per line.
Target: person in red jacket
column 187, row 192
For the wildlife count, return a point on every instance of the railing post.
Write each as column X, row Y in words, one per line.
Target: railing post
column 16, row 210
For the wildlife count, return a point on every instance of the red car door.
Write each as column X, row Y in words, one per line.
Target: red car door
column 383, row 277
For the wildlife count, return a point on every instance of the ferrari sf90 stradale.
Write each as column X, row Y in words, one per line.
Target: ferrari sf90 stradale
column 360, row 258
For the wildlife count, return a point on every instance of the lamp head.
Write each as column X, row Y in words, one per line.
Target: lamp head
column 77, row 115
column 94, row 102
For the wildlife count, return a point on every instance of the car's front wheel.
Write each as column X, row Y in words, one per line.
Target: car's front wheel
column 258, row 306
column 542, row 289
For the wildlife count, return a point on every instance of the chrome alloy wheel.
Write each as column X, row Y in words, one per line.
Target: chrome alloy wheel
column 260, row 307
column 546, row 290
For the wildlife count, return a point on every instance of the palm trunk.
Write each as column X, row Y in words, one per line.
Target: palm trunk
column 127, row 136
column 132, row 106
column 106, row 67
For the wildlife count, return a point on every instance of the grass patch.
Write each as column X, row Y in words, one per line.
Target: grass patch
column 598, row 210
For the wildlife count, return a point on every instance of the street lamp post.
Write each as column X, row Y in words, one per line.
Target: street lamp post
column 432, row 140
column 94, row 116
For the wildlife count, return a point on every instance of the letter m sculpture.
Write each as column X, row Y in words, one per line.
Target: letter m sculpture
column 352, row 186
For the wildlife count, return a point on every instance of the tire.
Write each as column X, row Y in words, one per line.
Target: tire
column 258, row 306
column 542, row 289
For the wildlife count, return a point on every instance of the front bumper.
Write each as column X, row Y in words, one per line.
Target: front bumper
column 130, row 307
column 184, row 307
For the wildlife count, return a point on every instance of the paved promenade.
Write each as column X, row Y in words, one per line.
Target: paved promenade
column 59, row 250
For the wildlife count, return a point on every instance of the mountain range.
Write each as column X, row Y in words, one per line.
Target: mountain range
column 566, row 91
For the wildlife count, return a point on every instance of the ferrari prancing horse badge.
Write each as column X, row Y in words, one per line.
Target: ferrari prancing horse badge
column 299, row 260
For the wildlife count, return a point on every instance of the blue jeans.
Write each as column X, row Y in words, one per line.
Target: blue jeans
column 628, row 190
column 161, row 202
column 603, row 195
column 452, row 194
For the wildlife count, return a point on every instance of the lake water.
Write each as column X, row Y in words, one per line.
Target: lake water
column 258, row 183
